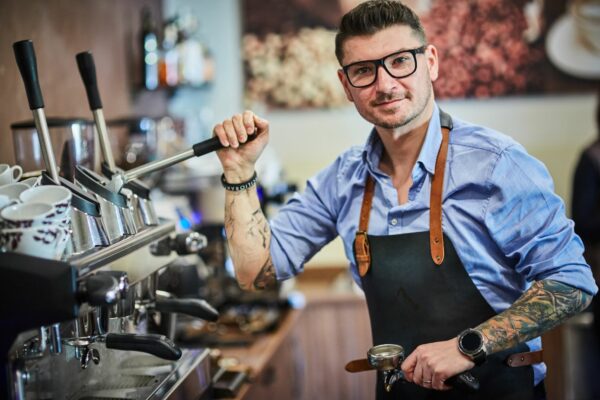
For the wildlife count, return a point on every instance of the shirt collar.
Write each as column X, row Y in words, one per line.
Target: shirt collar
column 429, row 151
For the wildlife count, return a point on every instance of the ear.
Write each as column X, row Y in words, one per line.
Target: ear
column 345, row 84
column 431, row 55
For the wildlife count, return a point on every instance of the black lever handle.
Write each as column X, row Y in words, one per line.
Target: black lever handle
column 213, row 144
column 98, row 290
column 193, row 307
column 465, row 382
column 87, row 70
column 157, row 345
column 25, row 56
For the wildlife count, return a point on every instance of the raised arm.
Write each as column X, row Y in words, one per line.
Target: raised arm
column 247, row 229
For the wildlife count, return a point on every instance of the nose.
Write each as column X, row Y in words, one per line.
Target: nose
column 384, row 81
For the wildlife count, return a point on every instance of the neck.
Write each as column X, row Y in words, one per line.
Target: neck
column 403, row 145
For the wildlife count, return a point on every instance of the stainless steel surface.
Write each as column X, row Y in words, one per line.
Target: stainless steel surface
column 156, row 165
column 385, row 357
column 42, row 127
column 119, row 375
column 103, row 139
column 84, row 368
column 117, row 220
column 87, row 232
column 144, row 211
column 130, row 255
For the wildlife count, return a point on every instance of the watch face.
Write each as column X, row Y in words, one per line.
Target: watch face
column 471, row 342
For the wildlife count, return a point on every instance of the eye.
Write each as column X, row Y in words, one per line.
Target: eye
column 400, row 59
column 361, row 69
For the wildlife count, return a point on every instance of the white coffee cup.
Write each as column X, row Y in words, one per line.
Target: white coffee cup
column 586, row 14
column 10, row 174
column 31, row 182
column 27, row 215
column 42, row 241
column 6, row 201
column 56, row 196
column 13, row 190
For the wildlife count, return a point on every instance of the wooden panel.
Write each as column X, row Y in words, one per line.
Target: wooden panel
column 331, row 335
column 60, row 29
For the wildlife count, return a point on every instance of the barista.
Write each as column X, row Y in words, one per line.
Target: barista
column 452, row 230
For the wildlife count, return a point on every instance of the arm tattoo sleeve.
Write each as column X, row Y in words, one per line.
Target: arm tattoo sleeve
column 266, row 277
column 545, row 305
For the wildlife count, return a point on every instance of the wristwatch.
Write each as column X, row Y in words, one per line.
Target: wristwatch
column 470, row 343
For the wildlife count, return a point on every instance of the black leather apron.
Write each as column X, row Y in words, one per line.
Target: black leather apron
column 416, row 295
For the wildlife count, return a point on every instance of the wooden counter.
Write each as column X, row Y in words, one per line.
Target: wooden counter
column 304, row 358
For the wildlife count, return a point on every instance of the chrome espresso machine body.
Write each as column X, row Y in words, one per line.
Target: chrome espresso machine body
column 93, row 325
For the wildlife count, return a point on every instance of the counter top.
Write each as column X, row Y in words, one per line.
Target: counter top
column 255, row 357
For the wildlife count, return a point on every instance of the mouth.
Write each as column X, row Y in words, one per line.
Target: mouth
column 388, row 102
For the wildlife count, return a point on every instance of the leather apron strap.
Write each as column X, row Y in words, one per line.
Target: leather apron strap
column 362, row 251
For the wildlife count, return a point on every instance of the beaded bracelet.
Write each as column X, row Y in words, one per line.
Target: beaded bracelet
column 237, row 187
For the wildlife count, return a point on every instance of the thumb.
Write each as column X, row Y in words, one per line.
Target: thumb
column 261, row 123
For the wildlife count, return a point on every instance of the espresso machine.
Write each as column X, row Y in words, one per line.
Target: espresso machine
column 94, row 325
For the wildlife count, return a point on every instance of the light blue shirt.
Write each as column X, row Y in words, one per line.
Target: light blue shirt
column 499, row 211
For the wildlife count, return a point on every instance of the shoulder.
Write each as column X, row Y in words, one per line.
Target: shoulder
column 480, row 138
column 347, row 166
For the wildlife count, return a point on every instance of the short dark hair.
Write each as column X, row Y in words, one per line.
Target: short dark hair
column 372, row 16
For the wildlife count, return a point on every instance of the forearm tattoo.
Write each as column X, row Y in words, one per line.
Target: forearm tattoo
column 266, row 277
column 255, row 234
column 545, row 305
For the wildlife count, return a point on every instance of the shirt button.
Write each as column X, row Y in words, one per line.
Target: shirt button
column 394, row 221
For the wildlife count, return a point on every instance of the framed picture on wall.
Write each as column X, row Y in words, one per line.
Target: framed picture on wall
column 487, row 48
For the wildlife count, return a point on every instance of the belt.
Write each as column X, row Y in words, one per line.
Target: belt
column 524, row 359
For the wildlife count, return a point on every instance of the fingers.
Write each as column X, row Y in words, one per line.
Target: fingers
column 408, row 367
column 234, row 131
column 421, row 368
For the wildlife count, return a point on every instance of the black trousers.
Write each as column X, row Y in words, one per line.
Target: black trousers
column 540, row 391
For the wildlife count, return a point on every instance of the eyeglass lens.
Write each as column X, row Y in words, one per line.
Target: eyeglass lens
column 398, row 65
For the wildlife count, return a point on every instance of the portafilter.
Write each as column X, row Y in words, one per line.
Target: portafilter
column 387, row 358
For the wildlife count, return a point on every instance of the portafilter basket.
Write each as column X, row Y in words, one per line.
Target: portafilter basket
column 386, row 357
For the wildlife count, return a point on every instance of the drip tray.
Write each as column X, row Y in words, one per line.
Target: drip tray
column 123, row 387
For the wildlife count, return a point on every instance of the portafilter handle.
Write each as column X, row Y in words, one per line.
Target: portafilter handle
column 157, row 345
column 193, row 307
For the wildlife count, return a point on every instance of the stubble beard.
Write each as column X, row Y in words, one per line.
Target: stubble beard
column 403, row 121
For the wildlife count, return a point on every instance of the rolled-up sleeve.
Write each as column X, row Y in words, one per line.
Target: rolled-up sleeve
column 305, row 224
column 528, row 223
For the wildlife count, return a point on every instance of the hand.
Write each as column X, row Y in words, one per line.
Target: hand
column 238, row 161
column 429, row 365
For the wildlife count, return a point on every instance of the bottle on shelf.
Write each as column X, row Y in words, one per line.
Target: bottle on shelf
column 150, row 51
column 169, row 63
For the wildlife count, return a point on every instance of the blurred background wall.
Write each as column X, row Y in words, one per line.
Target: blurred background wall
column 552, row 127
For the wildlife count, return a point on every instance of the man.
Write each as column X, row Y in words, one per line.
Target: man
column 452, row 230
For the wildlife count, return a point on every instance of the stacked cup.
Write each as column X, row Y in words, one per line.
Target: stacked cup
column 37, row 223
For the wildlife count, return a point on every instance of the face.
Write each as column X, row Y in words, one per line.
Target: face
column 389, row 102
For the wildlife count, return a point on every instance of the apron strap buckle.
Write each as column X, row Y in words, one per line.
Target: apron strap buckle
column 362, row 252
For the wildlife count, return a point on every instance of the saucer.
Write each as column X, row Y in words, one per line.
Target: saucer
column 568, row 54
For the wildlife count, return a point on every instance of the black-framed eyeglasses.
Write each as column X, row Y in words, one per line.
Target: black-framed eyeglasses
column 399, row 65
